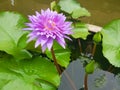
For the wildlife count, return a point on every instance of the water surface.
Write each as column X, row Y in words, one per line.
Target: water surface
column 102, row 11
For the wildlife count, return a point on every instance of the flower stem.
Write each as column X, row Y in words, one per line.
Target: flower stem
column 94, row 49
column 85, row 82
column 79, row 43
column 55, row 61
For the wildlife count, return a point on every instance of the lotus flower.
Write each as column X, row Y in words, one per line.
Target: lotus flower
column 48, row 26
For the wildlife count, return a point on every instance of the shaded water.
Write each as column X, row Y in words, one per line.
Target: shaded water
column 73, row 78
column 102, row 11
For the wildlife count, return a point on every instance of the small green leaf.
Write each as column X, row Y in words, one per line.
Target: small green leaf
column 80, row 31
column 54, row 6
column 90, row 67
column 73, row 8
column 69, row 5
column 111, row 42
column 32, row 74
column 62, row 55
column 11, row 25
column 80, row 12
column 97, row 37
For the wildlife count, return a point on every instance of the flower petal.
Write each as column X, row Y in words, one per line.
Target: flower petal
column 38, row 42
column 43, row 40
column 44, row 47
column 48, row 26
column 27, row 29
column 61, row 41
column 50, row 43
column 68, row 38
column 31, row 38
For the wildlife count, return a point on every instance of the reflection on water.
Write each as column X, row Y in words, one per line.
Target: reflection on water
column 103, row 80
column 12, row 2
column 24, row 6
column 102, row 11
column 100, row 81
column 73, row 78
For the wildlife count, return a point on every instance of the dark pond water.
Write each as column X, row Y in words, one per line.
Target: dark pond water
column 73, row 79
column 102, row 11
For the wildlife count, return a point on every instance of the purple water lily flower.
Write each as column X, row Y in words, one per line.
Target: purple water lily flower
column 48, row 26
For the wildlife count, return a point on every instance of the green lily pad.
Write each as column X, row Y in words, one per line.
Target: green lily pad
column 32, row 74
column 80, row 31
column 111, row 42
column 11, row 25
column 73, row 8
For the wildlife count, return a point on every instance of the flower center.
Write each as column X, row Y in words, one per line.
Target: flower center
column 50, row 25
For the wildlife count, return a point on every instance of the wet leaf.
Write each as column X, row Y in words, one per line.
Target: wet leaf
column 22, row 42
column 32, row 74
column 73, row 77
column 111, row 42
column 73, row 8
column 80, row 31
column 80, row 12
column 11, row 25
column 103, row 80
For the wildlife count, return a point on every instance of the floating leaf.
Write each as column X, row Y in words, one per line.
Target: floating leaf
column 111, row 42
column 11, row 25
column 103, row 80
column 62, row 55
column 32, row 74
column 80, row 31
column 73, row 77
column 80, row 12
column 73, row 8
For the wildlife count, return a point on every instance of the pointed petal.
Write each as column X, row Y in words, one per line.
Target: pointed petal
column 27, row 29
column 38, row 42
column 67, row 24
column 44, row 47
column 32, row 19
column 43, row 40
column 68, row 38
column 50, row 43
column 42, row 12
column 31, row 38
column 37, row 14
column 48, row 10
column 61, row 41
